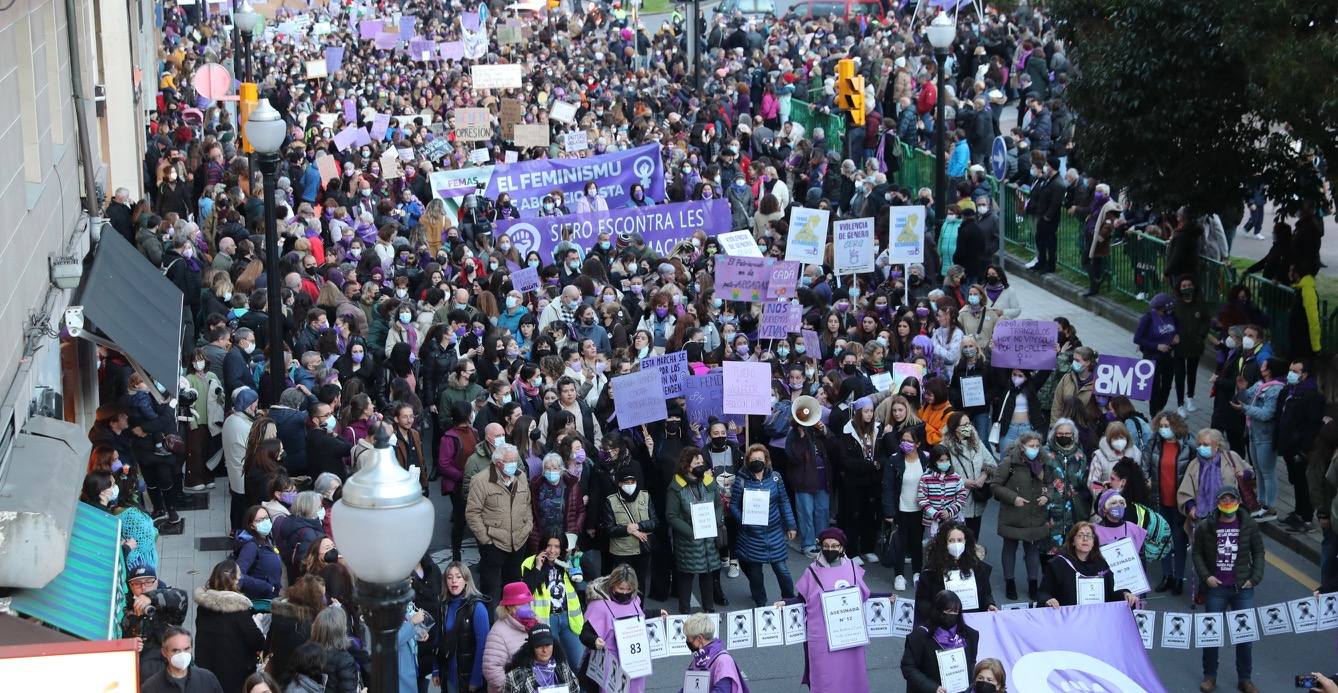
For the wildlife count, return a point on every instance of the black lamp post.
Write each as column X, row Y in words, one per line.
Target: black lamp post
column 383, row 525
column 942, row 31
column 265, row 130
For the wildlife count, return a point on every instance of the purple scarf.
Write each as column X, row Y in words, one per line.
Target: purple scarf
column 994, row 294
column 545, row 673
column 1210, row 480
column 948, row 639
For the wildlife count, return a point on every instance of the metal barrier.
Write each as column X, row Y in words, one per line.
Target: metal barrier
column 833, row 124
column 1136, row 264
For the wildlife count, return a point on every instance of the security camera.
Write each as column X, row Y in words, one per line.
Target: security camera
column 74, row 320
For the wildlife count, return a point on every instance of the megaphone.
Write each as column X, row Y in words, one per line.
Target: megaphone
column 806, row 410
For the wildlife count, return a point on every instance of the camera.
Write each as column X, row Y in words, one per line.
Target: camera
column 1308, row 681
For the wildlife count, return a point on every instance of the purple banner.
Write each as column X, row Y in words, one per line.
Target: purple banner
column 784, row 278
column 638, row 399
column 662, row 226
column 407, row 27
column 334, row 59
column 1029, row 344
column 741, row 278
column 528, row 181
column 1053, row 650
column 350, row 111
column 451, row 50
column 369, row 28
column 1122, row 375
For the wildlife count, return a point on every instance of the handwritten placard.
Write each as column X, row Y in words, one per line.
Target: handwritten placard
column 1029, row 344
column 747, row 388
column 638, row 399
column 673, row 369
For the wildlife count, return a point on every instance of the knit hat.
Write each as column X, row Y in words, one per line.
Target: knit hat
column 1105, row 498
column 832, row 533
column 863, row 403
column 1160, row 302
column 243, row 397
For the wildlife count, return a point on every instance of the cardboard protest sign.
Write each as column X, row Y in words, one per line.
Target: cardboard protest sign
column 638, row 398
column 496, row 76
column 779, row 319
column 906, row 234
column 473, row 124
column 784, row 278
column 328, row 169
column 577, row 141
column 531, row 135
column 807, row 236
column 673, row 369
column 511, row 113
column 390, row 165
column 1029, row 344
column 316, row 69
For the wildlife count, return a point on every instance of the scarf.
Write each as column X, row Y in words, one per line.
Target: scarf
column 948, row 639
column 1034, row 465
column 545, row 673
column 1210, row 480
column 524, row 386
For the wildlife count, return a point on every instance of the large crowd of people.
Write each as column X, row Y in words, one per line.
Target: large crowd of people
column 400, row 317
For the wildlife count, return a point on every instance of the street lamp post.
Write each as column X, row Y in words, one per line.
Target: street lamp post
column 265, row 130
column 942, row 31
column 249, row 22
column 382, row 525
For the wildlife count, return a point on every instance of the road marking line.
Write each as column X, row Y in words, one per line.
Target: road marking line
column 1291, row 571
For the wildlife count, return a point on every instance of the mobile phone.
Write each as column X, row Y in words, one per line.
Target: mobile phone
column 1305, row 681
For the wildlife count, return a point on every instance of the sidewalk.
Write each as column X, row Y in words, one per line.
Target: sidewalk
column 1108, row 327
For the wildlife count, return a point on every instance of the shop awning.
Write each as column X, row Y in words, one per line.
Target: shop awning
column 39, row 489
column 85, row 599
column 128, row 302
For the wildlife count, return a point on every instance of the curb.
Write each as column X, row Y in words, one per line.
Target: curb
column 1128, row 319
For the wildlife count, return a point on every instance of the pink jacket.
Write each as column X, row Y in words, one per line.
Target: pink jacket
column 504, row 641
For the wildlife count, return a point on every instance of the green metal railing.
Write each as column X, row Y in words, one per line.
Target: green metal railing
column 833, row 124
column 1136, row 263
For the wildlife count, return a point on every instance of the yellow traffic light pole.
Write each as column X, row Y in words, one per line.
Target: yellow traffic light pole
column 850, row 91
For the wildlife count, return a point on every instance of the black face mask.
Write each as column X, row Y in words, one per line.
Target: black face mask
column 756, row 466
column 848, row 369
column 983, row 687
column 332, row 555
column 831, row 555
column 622, row 598
column 1063, row 441
column 699, row 472
column 719, row 444
column 944, row 620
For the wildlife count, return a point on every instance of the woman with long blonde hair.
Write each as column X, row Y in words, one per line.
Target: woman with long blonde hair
column 433, row 225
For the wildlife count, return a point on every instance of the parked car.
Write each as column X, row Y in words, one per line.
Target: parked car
column 845, row 9
column 749, row 8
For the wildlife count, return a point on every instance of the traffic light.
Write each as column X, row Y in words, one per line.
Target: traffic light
column 850, row 90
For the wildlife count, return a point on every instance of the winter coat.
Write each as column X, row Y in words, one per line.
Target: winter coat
column 499, row 515
column 457, row 445
column 1014, row 479
column 504, row 641
column 1151, row 463
column 1069, row 386
column 1300, row 414
column 1104, row 459
column 287, row 632
column 1154, row 330
column 1193, row 320
column 198, row 680
column 226, row 638
column 295, row 535
column 1249, row 563
column 692, row 555
column 573, row 506
column 919, row 661
column 762, row 544
column 341, row 671
column 859, row 467
column 1231, row 466
column 931, row 583
column 1260, row 402
column 261, row 566
column 969, row 463
column 523, row 679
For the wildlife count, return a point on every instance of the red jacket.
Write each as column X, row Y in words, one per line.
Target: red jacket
column 457, row 444
column 925, row 100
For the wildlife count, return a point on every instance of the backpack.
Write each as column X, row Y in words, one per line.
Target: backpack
column 1157, row 545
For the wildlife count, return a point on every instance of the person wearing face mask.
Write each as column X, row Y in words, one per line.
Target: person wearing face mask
column 972, row 461
column 1022, row 484
column 1229, row 560
column 206, row 421
column 825, row 669
column 942, row 631
column 1299, row 421
column 591, row 201
column 1079, row 382
column 153, row 610
column 612, row 598
column 514, row 616
column 952, row 563
column 1079, row 575
column 1157, row 336
column 1115, row 520
column 695, row 556
column 1166, row 460
column 326, row 451
column 1070, row 497
column 762, row 544
column 1115, row 444
column 499, row 513
column 628, row 518
column 989, row 677
column 1259, row 403
column 1214, row 466
column 709, row 656
column 556, row 493
column 180, row 674
column 860, row 463
column 557, row 604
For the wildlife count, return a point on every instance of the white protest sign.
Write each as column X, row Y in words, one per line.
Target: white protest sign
column 739, row 633
column 577, row 141
column 703, row 520
column 1126, row 566
column 1175, row 631
column 953, row 674
column 906, row 234
column 1328, row 611
column 807, row 236
column 739, row 244
column 843, row 614
column 1276, row 619
column 1305, row 613
column 562, row 112
column 878, row 617
column 696, row 681
column 1242, row 626
column 1208, row 630
column 756, row 507
column 903, row 620
column 531, row 135
column 1147, row 623
column 796, row 623
column 767, row 626
column 853, row 246
column 633, row 649
column 1090, row 590
column 655, row 639
column 479, row 156
column 496, row 76
column 964, row 588
column 678, row 644
column 973, row 391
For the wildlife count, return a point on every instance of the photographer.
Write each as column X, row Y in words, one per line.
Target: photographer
column 475, row 214
column 154, row 606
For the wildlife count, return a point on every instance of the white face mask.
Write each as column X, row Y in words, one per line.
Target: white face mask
column 956, row 548
column 1119, row 444
column 628, row 489
column 199, row 365
column 181, row 660
column 1247, row 343
column 320, row 515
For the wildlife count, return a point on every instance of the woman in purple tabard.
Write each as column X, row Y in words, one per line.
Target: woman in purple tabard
column 827, row 671
column 617, row 598
column 709, row 655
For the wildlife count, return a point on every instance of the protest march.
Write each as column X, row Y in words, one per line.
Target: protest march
column 563, row 345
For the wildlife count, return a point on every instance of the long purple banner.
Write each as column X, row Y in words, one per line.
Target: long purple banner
column 528, row 181
column 663, row 226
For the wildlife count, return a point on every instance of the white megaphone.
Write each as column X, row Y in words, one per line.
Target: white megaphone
column 806, row 410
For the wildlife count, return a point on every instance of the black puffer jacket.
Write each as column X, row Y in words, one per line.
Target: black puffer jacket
column 226, row 638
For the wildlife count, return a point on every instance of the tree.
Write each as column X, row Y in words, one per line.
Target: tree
column 1182, row 102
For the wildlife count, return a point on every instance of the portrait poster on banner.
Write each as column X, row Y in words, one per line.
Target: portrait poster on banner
column 906, row 234
column 853, row 246
column 638, row 399
column 807, row 236
column 1028, row 344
